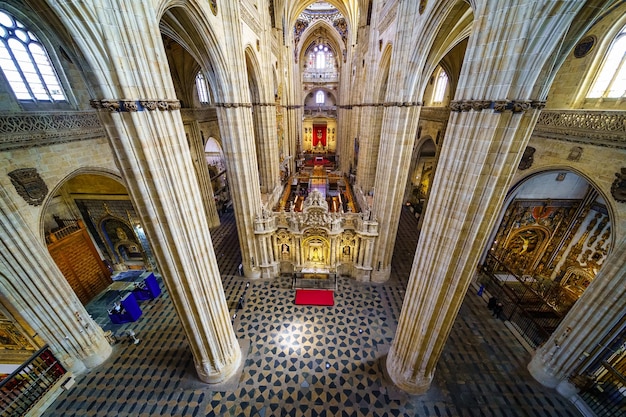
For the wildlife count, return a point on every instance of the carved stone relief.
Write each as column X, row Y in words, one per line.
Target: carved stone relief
column 527, row 158
column 618, row 189
column 29, row 185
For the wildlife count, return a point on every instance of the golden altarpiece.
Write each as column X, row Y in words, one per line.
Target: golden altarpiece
column 317, row 240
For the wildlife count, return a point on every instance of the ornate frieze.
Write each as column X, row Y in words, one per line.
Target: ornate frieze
column 600, row 128
column 29, row 185
column 125, row 105
column 390, row 16
column 19, row 131
column 498, row 106
column 249, row 18
column 384, row 104
column 235, row 105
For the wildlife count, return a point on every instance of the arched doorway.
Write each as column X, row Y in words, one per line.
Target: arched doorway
column 92, row 232
column 554, row 234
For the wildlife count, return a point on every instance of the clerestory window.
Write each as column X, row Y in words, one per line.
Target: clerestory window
column 25, row 63
column 611, row 80
column 203, row 91
column 440, row 87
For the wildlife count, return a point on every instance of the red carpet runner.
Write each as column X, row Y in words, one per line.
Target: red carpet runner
column 315, row 297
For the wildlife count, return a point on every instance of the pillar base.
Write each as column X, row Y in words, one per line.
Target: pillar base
column 417, row 386
column 539, row 372
column 381, row 275
column 99, row 356
column 228, row 372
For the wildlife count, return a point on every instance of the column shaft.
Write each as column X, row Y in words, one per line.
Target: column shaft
column 36, row 288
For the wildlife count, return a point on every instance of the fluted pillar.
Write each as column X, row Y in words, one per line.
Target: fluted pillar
column 141, row 115
column 396, row 147
column 594, row 315
column 196, row 146
column 369, row 142
column 483, row 144
column 33, row 284
column 265, row 126
column 237, row 133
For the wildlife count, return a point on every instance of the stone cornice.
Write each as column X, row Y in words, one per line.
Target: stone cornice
column 130, row 106
column 385, row 104
column 598, row 128
column 233, row 105
column 27, row 130
column 498, row 106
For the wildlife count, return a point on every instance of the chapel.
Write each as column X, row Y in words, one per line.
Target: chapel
column 131, row 131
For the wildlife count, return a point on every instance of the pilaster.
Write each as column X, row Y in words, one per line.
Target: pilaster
column 265, row 126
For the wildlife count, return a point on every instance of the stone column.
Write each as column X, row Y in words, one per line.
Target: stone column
column 598, row 310
column 142, row 118
column 396, row 144
column 369, row 142
column 265, row 126
column 196, row 147
column 237, row 132
column 483, row 145
column 36, row 288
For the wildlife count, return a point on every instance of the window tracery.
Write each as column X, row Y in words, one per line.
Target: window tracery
column 25, row 63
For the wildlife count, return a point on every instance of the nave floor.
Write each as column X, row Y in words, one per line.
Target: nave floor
column 312, row 361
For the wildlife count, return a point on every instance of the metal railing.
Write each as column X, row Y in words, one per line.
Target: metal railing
column 534, row 317
column 21, row 390
column 601, row 374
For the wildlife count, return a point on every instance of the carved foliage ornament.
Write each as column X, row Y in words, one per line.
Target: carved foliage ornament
column 618, row 189
column 29, row 185
column 213, row 4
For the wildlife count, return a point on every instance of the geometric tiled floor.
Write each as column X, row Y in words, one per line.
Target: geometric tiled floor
column 312, row 361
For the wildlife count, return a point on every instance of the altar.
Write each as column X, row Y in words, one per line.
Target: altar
column 319, row 279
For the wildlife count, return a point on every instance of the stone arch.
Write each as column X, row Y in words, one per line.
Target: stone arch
column 320, row 29
column 187, row 24
column 105, row 172
column 604, row 192
column 449, row 23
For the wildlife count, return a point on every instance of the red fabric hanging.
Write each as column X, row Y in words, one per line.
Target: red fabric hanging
column 319, row 135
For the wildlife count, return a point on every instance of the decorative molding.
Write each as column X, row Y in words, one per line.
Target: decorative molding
column 385, row 104
column 389, row 17
column 618, row 188
column 599, row 128
column 235, row 105
column 20, row 131
column 249, row 18
column 29, row 185
column 213, row 4
column 129, row 106
column 498, row 106
column 264, row 104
